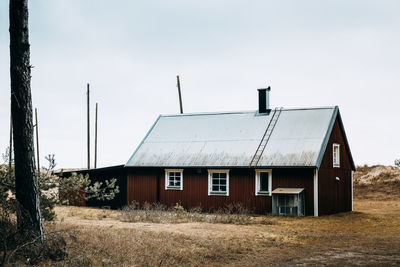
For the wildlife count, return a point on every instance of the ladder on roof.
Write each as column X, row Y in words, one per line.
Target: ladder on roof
column 267, row 135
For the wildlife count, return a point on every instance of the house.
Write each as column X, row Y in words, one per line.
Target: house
column 281, row 161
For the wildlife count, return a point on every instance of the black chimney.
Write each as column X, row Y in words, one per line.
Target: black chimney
column 263, row 100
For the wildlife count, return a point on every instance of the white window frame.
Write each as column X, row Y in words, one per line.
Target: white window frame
column 210, row 192
column 167, row 186
column 336, row 164
column 257, row 183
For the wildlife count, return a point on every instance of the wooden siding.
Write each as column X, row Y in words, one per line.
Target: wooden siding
column 142, row 187
column 334, row 196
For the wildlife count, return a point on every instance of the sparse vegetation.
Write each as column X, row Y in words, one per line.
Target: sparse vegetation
column 234, row 213
column 27, row 248
column 377, row 182
column 154, row 235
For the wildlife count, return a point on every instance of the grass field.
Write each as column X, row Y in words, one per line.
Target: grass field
column 367, row 236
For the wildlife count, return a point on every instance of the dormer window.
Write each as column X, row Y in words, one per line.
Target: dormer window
column 336, row 156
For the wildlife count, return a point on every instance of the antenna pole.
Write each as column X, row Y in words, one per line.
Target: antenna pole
column 88, row 127
column 37, row 141
column 95, row 140
column 179, row 93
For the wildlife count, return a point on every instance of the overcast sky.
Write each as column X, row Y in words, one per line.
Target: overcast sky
column 312, row 53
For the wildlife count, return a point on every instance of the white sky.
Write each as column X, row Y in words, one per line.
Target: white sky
column 312, row 53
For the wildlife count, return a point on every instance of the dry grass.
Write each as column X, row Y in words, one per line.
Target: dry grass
column 367, row 236
column 377, row 182
column 233, row 214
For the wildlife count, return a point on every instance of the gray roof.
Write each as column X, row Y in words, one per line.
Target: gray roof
column 230, row 139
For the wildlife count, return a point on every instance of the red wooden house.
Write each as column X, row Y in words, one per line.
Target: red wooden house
column 280, row 161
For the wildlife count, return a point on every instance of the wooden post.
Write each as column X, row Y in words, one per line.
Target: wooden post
column 37, row 141
column 88, row 127
column 179, row 93
column 95, row 140
column 10, row 148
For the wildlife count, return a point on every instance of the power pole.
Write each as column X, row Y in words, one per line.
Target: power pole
column 95, row 140
column 88, row 127
column 37, row 141
column 179, row 93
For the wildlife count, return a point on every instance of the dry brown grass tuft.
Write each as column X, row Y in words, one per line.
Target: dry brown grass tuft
column 155, row 213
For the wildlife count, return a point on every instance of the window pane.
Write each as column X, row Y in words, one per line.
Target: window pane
column 223, row 188
column 215, row 175
column 215, row 181
column 222, row 175
column 263, row 181
column 178, row 183
column 215, row 188
column 222, row 181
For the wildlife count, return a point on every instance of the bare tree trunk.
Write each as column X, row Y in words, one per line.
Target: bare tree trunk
column 29, row 216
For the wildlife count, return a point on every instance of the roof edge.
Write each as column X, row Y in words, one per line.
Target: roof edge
column 353, row 166
column 225, row 167
column 326, row 139
column 239, row 112
column 145, row 137
column 336, row 114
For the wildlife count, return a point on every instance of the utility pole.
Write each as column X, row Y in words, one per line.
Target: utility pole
column 88, row 127
column 37, row 141
column 179, row 93
column 95, row 140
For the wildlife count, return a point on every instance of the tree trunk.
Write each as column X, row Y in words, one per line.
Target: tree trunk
column 28, row 216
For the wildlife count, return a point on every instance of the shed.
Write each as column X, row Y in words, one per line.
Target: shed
column 288, row 202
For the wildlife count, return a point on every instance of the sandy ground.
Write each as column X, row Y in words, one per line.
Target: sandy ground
column 367, row 236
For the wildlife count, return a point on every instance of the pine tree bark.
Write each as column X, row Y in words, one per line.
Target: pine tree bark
column 28, row 216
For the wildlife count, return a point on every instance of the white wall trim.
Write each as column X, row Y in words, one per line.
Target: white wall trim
column 257, row 182
column 352, row 207
column 210, row 172
column 316, row 192
column 167, row 179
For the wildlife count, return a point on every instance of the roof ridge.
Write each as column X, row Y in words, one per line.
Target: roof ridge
column 240, row 111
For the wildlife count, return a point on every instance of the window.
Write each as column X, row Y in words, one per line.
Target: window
column 263, row 182
column 336, row 155
column 174, row 179
column 218, row 182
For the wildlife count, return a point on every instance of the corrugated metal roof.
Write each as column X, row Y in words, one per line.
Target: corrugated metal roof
column 230, row 139
column 287, row 191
